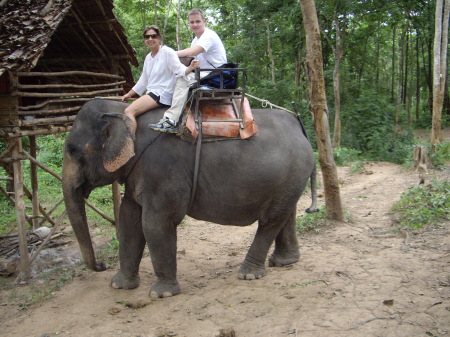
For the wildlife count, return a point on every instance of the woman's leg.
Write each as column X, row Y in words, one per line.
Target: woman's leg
column 139, row 106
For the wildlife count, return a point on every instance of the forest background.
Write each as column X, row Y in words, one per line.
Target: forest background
column 378, row 61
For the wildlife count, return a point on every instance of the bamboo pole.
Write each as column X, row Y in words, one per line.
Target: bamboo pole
column 66, row 94
column 47, row 131
column 20, row 213
column 52, row 210
column 46, row 121
column 50, row 112
column 116, row 202
column 62, row 85
column 67, row 73
column 34, row 183
column 50, row 101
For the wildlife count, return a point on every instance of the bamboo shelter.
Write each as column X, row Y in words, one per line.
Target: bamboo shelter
column 54, row 56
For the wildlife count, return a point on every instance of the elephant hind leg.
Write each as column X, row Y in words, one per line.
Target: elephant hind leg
column 286, row 245
column 253, row 266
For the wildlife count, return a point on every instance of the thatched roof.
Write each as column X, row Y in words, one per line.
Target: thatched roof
column 63, row 35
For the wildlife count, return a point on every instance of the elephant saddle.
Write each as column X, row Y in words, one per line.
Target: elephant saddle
column 219, row 119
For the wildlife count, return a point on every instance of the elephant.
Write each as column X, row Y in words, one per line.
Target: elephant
column 240, row 182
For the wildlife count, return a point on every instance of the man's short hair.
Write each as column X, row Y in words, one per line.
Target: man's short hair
column 195, row 11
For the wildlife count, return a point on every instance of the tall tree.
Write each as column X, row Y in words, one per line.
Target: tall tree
column 440, row 62
column 269, row 50
column 319, row 108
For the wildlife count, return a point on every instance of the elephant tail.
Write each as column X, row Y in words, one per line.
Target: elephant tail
column 313, row 208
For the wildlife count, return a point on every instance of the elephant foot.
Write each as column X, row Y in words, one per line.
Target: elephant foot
column 246, row 272
column 162, row 289
column 276, row 260
column 119, row 281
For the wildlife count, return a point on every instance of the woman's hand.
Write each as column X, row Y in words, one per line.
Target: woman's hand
column 127, row 96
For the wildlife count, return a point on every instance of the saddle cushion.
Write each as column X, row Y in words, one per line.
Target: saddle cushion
column 223, row 109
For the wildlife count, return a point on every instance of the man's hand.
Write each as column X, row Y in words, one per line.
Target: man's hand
column 194, row 65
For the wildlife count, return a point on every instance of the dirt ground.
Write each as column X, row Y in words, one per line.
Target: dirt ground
column 364, row 278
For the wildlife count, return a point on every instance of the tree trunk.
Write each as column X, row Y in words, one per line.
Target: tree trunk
column 178, row 26
column 394, row 37
column 417, row 76
column 338, row 53
column 319, row 108
column 155, row 11
column 377, row 56
column 269, row 51
column 399, row 105
column 411, row 82
column 439, row 71
column 169, row 6
column 405, row 66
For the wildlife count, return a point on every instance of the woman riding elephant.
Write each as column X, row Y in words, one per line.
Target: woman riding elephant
column 158, row 78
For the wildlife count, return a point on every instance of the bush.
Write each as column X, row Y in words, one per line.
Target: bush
column 368, row 126
column 424, row 205
column 316, row 221
column 441, row 155
column 312, row 221
column 344, row 156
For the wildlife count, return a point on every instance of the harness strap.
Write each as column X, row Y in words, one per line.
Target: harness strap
column 197, row 161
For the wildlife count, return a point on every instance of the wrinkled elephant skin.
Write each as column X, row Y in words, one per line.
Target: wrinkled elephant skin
column 239, row 182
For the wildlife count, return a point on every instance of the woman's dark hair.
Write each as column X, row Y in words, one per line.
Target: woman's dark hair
column 155, row 28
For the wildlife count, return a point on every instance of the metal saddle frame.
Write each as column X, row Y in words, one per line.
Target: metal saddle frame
column 222, row 96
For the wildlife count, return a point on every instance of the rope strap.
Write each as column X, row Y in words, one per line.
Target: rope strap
column 265, row 103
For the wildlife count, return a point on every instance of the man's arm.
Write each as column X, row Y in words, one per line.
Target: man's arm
column 192, row 51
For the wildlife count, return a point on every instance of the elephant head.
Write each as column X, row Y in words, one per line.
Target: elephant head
column 100, row 143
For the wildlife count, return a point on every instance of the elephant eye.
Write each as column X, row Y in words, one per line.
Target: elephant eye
column 74, row 151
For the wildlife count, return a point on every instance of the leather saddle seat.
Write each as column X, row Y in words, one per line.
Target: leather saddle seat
column 219, row 119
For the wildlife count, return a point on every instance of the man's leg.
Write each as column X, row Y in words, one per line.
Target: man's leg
column 179, row 98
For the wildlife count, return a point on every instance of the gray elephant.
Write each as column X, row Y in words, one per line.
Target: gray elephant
column 239, row 182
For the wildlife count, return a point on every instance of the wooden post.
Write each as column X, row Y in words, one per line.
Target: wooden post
column 116, row 202
column 34, row 183
column 20, row 210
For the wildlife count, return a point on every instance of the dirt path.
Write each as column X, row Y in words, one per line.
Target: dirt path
column 359, row 279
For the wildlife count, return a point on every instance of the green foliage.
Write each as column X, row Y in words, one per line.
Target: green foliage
column 51, row 148
column 8, row 216
column 424, row 205
column 344, row 156
column 367, row 123
column 111, row 252
column 312, row 221
column 357, row 167
column 441, row 155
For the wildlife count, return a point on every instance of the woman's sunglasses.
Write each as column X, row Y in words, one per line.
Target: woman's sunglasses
column 153, row 36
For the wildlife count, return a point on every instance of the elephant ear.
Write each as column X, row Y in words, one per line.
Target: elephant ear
column 118, row 141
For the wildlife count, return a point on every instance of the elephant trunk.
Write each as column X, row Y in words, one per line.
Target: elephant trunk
column 74, row 199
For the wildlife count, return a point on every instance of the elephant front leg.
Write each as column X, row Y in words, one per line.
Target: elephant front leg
column 131, row 245
column 162, row 242
column 286, row 245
